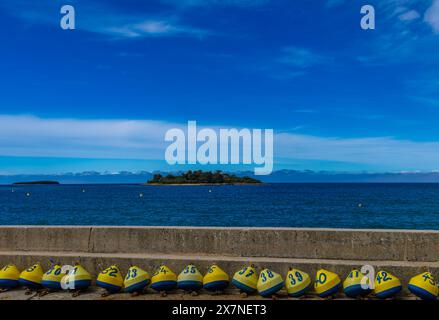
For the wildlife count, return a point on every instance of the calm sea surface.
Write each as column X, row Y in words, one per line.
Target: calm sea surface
column 407, row 206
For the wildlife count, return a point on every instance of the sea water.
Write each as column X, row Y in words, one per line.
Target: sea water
column 393, row 206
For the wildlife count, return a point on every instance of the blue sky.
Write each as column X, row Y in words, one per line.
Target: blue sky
column 338, row 97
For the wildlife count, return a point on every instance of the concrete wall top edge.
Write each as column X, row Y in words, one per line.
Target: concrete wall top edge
column 218, row 228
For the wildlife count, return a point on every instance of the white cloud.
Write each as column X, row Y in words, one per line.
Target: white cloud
column 127, row 139
column 104, row 19
column 409, row 15
column 301, row 57
column 381, row 152
column 232, row 3
column 432, row 16
column 150, row 28
column 144, row 139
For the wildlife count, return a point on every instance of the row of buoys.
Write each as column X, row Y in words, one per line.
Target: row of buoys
column 267, row 283
column 34, row 278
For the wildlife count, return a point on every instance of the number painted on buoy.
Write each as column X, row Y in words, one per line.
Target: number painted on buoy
column 30, row 269
column 428, row 277
column 297, row 277
column 112, row 272
column 385, row 277
column 190, row 269
column 353, row 274
column 132, row 273
column 322, row 278
column 249, row 274
column 244, row 270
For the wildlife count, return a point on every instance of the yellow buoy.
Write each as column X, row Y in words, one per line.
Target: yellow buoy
column 9, row 276
column 136, row 279
column 190, row 279
column 269, row 282
column 327, row 283
column 110, row 279
column 424, row 286
column 31, row 277
column 78, row 278
column 215, row 279
column 246, row 279
column 163, row 279
column 297, row 283
column 352, row 284
column 386, row 285
column 52, row 278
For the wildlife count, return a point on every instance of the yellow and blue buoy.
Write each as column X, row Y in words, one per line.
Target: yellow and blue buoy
column 246, row 279
column 9, row 276
column 215, row 279
column 424, row 286
column 190, row 279
column 53, row 277
column 163, row 279
column 269, row 283
column 136, row 280
column 31, row 277
column 327, row 283
column 110, row 279
column 297, row 283
column 386, row 285
column 352, row 284
column 78, row 278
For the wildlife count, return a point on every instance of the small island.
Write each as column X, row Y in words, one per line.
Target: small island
column 201, row 178
column 36, row 182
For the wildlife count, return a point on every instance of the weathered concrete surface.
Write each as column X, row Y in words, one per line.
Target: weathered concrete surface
column 30, row 238
column 403, row 253
column 344, row 244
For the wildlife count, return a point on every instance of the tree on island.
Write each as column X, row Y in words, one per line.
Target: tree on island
column 202, row 177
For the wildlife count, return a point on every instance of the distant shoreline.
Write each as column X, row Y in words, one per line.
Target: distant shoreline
column 203, row 184
column 36, row 183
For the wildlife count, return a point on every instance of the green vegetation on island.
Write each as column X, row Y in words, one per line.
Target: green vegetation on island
column 202, row 177
column 36, row 182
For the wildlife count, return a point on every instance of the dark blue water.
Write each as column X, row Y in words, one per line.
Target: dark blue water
column 408, row 206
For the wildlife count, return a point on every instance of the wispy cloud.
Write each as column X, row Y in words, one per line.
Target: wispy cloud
column 150, row 28
column 104, row 19
column 79, row 138
column 305, row 111
column 199, row 3
column 301, row 58
column 432, row 16
column 399, row 40
column 409, row 15
column 29, row 136
column 380, row 152
column 294, row 62
column 427, row 101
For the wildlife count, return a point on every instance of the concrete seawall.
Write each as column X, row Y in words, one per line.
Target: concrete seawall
column 404, row 253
